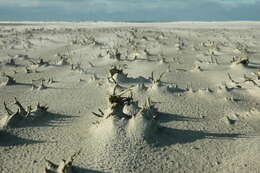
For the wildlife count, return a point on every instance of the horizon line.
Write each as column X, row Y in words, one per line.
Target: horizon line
column 117, row 21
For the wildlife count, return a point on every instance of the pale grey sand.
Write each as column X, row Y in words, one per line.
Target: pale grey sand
column 208, row 117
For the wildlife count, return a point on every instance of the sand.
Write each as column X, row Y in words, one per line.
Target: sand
column 190, row 101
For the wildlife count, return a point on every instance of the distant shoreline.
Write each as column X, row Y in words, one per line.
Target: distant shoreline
column 93, row 21
column 169, row 25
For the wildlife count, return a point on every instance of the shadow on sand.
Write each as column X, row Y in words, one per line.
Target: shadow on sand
column 8, row 139
column 169, row 136
column 84, row 170
column 253, row 67
column 167, row 117
column 23, row 84
column 46, row 119
column 135, row 80
column 176, row 90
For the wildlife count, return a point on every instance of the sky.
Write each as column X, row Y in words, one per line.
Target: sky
column 129, row 10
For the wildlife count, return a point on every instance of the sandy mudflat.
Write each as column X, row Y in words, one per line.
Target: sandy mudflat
column 130, row 97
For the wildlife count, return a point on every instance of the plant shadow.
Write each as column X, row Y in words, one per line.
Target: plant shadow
column 168, row 136
column 168, row 117
column 23, row 84
column 47, row 119
column 84, row 170
column 135, row 80
column 176, row 90
column 8, row 139
column 253, row 65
